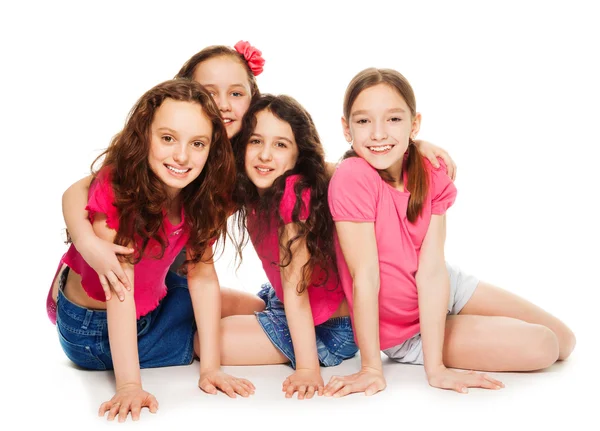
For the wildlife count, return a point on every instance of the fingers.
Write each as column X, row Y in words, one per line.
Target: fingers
column 227, row 388
column 345, row 390
column 136, row 407
column 334, row 385
column 373, row 388
column 289, row 392
column 123, row 411
column 484, row 381
column 301, row 392
column 105, row 287
column 432, row 159
column 249, row 384
column 122, row 278
column 119, row 249
column 208, row 387
column 152, row 404
column 116, row 285
column 248, row 387
column 310, row 392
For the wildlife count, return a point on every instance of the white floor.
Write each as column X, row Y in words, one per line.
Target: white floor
column 552, row 399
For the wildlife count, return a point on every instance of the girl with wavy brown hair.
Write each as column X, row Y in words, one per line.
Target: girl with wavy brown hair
column 281, row 196
column 162, row 184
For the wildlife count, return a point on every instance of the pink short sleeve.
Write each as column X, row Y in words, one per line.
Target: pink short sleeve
column 443, row 190
column 353, row 191
column 101, row 198
column 288, row 201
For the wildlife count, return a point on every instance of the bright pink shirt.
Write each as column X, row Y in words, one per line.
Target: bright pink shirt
column 324, row 299
column 358, row 194
column 150, row 272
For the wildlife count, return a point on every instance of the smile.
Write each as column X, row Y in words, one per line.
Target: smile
column 381, row 148
column 178, row 171
column 263, row 170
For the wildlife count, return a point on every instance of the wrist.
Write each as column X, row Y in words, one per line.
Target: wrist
column 372, row 364
column 129, row 385
column 209, row 369
column 433, row 369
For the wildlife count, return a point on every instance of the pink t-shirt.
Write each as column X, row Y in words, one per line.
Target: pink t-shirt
column 324, row 299
column 358, row 194
column 150, row 272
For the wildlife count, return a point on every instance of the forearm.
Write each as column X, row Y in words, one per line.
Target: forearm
column 302, row 329
column 206, row 300
column 366, row 322
column 74, row 201
column 122, row 332
column 433, row 293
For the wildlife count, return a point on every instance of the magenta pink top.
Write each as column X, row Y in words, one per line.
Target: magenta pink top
column 358, row 194
column 325, row 299
column 150, row 272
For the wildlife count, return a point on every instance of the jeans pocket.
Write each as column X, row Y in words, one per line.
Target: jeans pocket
column 80, row 354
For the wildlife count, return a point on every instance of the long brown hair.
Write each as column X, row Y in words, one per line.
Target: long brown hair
column 318, row 229
column 140, row 196
column 417, row 183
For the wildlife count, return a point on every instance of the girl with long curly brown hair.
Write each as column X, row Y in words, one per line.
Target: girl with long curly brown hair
column 162, row 184
column 281, row 195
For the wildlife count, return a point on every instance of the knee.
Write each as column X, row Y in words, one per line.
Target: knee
column 544, row 350
column 567, row 344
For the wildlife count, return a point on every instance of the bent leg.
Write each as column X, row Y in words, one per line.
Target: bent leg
column 243, row 342
column 236, row 302
column 489, row 300
column 494, row 343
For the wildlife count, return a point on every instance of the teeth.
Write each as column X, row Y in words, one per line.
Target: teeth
column 177, row 171
column 263, row 169
column 227, row 120
column 380, row 149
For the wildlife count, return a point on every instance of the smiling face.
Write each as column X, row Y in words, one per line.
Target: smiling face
column 226, row 80
column 180, row 138
column 379, row 127
column 271, row 150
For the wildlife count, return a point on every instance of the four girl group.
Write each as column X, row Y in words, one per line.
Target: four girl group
column 353, row 253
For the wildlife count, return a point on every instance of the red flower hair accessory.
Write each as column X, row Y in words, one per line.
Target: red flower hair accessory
column 252, row 55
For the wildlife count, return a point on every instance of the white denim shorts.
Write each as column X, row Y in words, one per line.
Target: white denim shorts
column 462, row 286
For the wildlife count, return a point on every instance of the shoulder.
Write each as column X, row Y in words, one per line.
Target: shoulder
column 355, row 170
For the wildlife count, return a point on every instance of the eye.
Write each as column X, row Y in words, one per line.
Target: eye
column 362, row 121
column 280, row 144
column 237, row 94
column 168, row 139
column 254, row 141
column 395, row 119
column 198, row 144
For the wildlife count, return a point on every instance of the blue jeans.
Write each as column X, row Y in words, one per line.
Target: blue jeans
column 165, row 335
column 335, row 338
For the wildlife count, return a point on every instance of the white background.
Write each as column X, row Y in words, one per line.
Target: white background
column 510, row 89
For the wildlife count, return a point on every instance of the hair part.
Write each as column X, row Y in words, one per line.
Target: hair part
column 417, row 183
column 140, row 196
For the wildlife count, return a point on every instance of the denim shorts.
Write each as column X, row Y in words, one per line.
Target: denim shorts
column 462, row 287
column 165, row 335
column 335, row 338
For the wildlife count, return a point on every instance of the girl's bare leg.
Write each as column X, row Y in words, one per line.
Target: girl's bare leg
column 234, row 302
column 489, row 300
column 492, row 343
column 243, row 342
